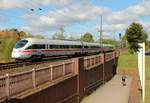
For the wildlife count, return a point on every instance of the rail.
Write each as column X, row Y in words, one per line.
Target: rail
column 16, row 64
column 13, row 84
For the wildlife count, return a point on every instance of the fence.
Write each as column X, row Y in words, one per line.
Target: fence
column 87, row 74
column 17, row 83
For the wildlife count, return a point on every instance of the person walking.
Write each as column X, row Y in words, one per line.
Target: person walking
column 123, row 79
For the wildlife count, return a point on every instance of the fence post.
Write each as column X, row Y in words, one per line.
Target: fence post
column 63, row 69
column 51, row 72
column 24, row 66
column 73, row 66
column 33, row 78
column 103, row 58
column 7, row 86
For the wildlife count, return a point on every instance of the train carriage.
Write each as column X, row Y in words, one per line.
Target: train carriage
column 40, row 48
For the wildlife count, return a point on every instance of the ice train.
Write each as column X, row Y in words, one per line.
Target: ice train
column 30, row 48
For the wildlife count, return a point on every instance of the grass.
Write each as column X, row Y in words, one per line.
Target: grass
column 129, row 61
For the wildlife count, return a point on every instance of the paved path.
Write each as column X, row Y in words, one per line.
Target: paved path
column 111, row 92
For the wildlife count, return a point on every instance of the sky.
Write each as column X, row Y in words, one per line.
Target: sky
column 76, row 16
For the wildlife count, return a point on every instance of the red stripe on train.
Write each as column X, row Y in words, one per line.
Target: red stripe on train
column 29, row 50
column 56, row 50
column 47, row 50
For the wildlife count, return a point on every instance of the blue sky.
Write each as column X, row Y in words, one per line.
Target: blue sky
column 76, row 16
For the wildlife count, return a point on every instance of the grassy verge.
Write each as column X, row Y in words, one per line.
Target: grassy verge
column 129, row 61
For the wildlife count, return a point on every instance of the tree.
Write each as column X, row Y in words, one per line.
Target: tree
column 17, row 34
column 135, row 34
column 73, row 38
column 38, row 36
column 124, row 41
column 22, row 34
column 59, row 35
column 14, row 32
column 87, row 37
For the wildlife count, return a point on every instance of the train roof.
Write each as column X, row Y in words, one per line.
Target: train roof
column 63, row 42
column 47, row 41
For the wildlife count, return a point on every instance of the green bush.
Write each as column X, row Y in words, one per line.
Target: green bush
column 6, row 47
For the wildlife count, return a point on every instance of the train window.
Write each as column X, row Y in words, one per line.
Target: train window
column 61, row 46
column 21, row 43
column 71, row 46
column 78, row 46
column 30, row 47
column 50, row 47
column 85, row 46
column 74, row 46
column 67, row 46
column 55, row 46
column 64, row 46
column 37, row 46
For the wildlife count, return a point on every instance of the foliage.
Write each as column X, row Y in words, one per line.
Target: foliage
column 147, row 47
column 124, row 42
column 87, row 37
column 12, row 33
column 135, row 34
column 22, row 34
column 6, row 47
column 59, row 35
column 110, row 41
column 73, row 38
column 38, row 36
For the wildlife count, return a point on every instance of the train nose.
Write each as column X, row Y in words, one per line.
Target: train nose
column 15, row 54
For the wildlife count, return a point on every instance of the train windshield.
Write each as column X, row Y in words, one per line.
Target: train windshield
column 21, row 43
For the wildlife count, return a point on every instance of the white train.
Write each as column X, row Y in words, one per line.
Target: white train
column 30, row 48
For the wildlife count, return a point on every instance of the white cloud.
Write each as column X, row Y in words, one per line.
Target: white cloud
column 112, row 27
column 11, row 4
column 8, row 4
column 146, row 26
column 130, row 14
column 65, row 16
column 75, row 11
column 120, row 20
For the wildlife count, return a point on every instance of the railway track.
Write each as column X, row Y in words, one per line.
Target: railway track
column 16, row 64
column 20, row 66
